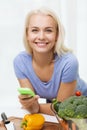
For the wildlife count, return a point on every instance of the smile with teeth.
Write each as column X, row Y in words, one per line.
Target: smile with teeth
column 41, row 44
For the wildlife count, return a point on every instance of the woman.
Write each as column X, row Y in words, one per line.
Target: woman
column 47, row 66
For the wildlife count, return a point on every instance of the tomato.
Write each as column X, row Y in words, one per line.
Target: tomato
column 78, row 93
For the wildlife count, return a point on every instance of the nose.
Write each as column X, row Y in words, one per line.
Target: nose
column 41, row 35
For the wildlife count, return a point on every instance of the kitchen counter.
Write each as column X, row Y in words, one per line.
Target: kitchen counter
column 16, row 113
column 17, row 123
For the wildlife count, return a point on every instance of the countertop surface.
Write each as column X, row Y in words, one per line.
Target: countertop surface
column 17, row 125
column 17, row 111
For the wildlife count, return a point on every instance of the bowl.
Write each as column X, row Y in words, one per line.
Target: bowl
column 70, row 123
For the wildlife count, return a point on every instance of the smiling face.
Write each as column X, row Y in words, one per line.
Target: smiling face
column 42, row 33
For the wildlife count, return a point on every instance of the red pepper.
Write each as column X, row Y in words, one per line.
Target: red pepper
column 78, row 93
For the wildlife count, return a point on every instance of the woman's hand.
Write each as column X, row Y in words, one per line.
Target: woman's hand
column 30, row 103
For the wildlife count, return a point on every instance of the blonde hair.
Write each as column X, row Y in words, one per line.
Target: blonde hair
column 59, row 47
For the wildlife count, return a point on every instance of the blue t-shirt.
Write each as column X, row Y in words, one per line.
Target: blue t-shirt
column 65, row 70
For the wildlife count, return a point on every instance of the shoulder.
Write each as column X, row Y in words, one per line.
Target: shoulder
column 69, row 56
column 70, row 59
column 22, row 56
column 67, row 59
column 21, row 64
column 68, row 63
column 70, row 67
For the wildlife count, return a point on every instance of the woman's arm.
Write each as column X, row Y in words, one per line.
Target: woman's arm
column 32, row 104
column 25, row 83
column 66, row 90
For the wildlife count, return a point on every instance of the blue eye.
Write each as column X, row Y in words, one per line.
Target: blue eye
column 34, row 30
column 48, row 30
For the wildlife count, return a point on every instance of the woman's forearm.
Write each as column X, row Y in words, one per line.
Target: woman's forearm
column 41, row 108
column 46, row 109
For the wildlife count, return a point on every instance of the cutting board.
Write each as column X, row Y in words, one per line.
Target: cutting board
column 17, row 123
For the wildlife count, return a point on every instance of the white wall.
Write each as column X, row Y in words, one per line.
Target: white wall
column 82, row 37
column 12, row 16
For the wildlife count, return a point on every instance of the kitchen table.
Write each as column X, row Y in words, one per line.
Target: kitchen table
column 17, row 123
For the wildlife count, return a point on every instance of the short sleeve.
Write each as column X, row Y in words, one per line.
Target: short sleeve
column 18, row 67
column 70, row 70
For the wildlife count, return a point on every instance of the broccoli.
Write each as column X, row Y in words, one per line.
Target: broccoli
column 85, row 101
column 81, row 111
column 56, row 104
column 75, row 109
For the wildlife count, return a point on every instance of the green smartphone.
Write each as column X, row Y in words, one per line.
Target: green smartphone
column 25, row 91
